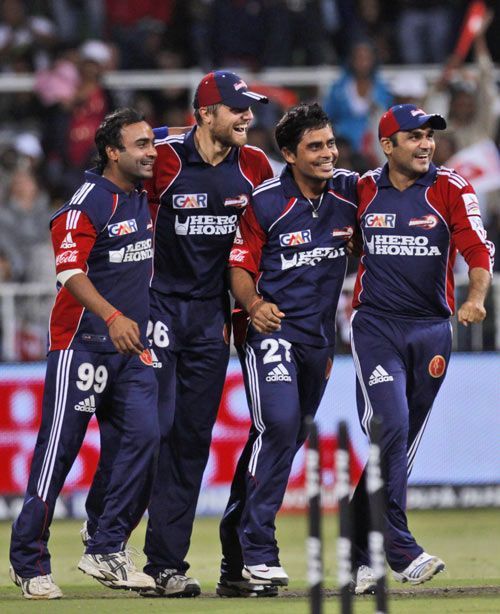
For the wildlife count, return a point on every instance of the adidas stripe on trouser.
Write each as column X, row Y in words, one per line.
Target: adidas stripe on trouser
column 392, row 359
column 129, row 400
column 280, row 394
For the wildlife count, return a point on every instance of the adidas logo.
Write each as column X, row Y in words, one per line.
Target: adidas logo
column 87, row 405
column 379, row 375
column 68, row 242
column 156, row 363
column 278, row 374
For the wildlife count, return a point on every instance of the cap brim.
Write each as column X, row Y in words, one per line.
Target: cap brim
column 435, row 121
column 242, row 100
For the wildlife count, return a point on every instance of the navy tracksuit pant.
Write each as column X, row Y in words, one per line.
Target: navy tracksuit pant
column 191, row 369
column 284, row 383
column 122, row 392
column 400, row 366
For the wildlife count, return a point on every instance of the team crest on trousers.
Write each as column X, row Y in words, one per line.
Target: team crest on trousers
column 437, row 366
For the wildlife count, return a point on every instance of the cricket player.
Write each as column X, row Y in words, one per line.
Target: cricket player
column 414, row 217
column 201, row 184
column 287, row 269
column 97, row 362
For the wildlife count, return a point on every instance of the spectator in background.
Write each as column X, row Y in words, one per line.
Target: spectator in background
column 90, row 104
column 264, row 33
column 375, row 21
column 424, row 29
column 472, row 114
column 77, row 21
column 409, row 87
column 23, row 35
column 76, row 104
column 24, row 220
column 358, row 95
column 123, row 23
column 6, row 274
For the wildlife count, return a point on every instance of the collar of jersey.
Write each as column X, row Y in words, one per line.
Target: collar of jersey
column 291, row 189
column 427, row 179
column 93, row 176
column 192, row 155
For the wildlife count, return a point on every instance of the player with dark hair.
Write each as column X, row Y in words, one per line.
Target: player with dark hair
column 201, row 184
column 287, row 269
column 414, row 217
column 97, row 364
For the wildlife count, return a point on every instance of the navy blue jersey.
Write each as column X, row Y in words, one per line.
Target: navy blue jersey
column 108, row 234
column 410, row 242
column 195, row 207
column 296, row 251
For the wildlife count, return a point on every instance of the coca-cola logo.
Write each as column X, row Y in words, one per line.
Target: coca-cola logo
column 238, row 255
column 70, row 255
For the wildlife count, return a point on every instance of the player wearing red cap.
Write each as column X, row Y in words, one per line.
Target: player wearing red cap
column 201, row 184
column 414, row 217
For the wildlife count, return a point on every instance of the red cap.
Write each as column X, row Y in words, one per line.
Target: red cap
column 227, row 88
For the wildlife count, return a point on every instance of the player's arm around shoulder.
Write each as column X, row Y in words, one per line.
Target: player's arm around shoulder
column 244, row 265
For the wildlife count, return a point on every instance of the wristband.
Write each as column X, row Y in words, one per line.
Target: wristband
column 113, row 317
column 254, row 302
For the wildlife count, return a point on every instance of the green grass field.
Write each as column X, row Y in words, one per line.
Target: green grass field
column 468, row 541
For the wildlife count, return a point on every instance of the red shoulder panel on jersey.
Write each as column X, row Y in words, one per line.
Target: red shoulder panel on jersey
column 73, row 236
column 254, row 165
column 367, row 190
column 166, row 168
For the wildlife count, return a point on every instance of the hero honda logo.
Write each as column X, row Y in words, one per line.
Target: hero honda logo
column 298, row 237
column 134, row 252
column 119, row 229
column 312, row 257
column 190, row 201
column 380, row 220
column 206, row 225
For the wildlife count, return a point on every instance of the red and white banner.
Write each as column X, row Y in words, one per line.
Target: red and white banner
column 479, row 164
column 465, row 413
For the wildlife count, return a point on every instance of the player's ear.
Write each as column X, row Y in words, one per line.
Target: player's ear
column 112, row 153
column 386, row 145
column 206, row 114
column 288, row 155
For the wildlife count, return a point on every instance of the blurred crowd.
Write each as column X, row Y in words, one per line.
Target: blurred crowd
column 46, row 134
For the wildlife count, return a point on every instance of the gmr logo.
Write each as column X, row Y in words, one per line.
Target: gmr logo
column 295, row 238
column 119, row 229
column 380, row 220
column 189, row 201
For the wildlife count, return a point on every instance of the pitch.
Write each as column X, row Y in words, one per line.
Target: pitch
column 467, row 540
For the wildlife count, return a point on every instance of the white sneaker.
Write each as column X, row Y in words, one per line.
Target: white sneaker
column 39, row 587
column 364, row 581
column 173, row 583
column 262, row 574
column 115, row 570
column 423, row 568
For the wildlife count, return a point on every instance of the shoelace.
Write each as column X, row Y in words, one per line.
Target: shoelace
column 130, row 552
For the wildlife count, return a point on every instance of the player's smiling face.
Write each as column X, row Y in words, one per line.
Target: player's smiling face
column 229, row 126
column 137, row 157
column 413, row 153
column 315, row 157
